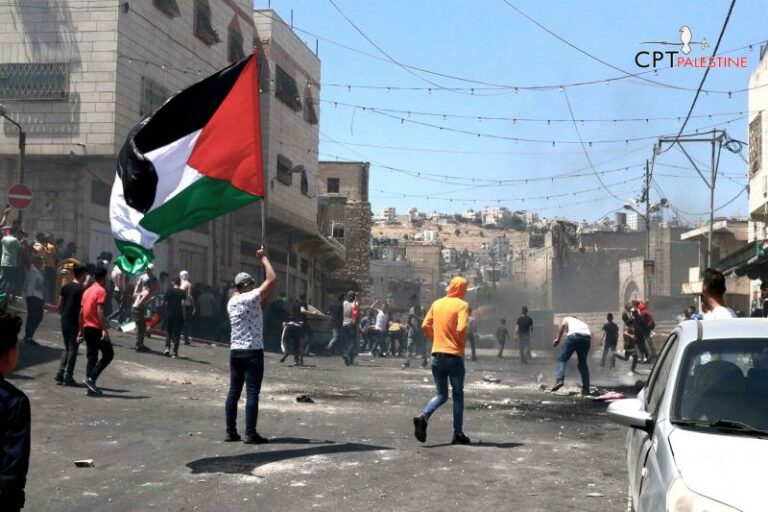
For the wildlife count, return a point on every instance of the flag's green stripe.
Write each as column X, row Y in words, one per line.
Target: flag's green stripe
column 133, row 257
column 204, row 200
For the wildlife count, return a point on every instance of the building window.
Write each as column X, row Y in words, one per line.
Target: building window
column 286, row 90
column 153, row 95
column 334, row 185
column 307, row 183
column 338, row 232
column 235, row 41
column 284, row 170
column 100, row 193
column 755, row 144
column 310, row 114
column 33, row 81
column 169, row 7
column 203, row 25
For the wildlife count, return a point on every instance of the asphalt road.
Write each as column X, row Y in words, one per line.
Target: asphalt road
column 156, row 437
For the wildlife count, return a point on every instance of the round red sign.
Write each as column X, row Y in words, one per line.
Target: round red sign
column 19, row 196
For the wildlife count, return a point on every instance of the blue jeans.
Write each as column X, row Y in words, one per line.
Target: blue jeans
column 443, row 370
column 578, row 343
column 334, row 338
column 245, row 367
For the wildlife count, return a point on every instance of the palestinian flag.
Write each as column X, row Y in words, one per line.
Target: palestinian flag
column 197, row 157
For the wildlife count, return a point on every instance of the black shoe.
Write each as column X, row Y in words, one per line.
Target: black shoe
column 30, row 341
column 255, row 439
column 92, row 389
column 167, row 353
column 232, row 438
column 585, row 392
column 70, row 382
column 285, row 356
column 460, row 438
column 142, row 348
column 186, row 342
column 420, row 428
column 347, row 361
column 300, row 362
column 59, row 378
column 557, row 386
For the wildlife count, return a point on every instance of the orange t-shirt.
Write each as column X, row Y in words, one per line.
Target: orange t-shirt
column 93, row 297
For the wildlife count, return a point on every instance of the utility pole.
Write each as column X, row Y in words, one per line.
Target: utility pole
column 493, row 268
column 648, row 278
column 717, row 139
column 22, row 149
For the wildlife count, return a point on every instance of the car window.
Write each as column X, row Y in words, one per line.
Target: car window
column 660, row 374
column 724, row 380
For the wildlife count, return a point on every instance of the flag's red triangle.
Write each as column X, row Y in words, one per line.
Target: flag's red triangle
column 229, row 147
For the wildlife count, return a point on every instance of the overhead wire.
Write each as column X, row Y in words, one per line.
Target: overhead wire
column 706, row 73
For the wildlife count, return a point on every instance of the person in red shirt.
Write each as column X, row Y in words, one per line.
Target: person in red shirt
column 94, row 327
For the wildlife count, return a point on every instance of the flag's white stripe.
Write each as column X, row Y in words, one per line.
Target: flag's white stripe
column 173, row 176
column 125, row 220
column 173, row 173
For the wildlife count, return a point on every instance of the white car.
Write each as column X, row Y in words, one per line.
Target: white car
column 698, row 440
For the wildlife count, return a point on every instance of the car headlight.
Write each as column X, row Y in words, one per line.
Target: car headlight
column 681, row 499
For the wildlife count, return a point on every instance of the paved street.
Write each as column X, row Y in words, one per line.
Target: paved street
column 156, row 438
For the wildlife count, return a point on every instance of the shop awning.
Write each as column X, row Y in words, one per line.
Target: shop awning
column 747, row 261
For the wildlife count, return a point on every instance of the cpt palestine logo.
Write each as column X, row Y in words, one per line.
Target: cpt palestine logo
column 681, row 57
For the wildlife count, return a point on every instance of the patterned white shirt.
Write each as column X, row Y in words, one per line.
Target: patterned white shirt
column 247, row 322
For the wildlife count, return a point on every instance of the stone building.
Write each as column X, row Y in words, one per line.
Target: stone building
column 344, row 215
column 78, row 75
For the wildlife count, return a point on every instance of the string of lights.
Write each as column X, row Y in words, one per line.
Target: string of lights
column 552, row 142
column 514, row 120
column 461, row 180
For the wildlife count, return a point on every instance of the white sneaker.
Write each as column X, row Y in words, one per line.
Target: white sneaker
column 631, row 374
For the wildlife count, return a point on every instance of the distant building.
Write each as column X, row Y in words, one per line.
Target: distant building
column 386, row 215
column 472, row 216
column 450, row 256
column 493, row 216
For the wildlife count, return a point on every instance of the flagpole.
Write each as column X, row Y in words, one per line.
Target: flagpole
column 264, row 226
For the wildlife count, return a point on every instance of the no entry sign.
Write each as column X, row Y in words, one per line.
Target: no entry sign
column 19, row 196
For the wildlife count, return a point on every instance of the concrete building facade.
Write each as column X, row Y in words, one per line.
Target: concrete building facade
column 80, row 74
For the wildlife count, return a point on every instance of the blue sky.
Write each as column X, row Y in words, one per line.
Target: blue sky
column 486, row 40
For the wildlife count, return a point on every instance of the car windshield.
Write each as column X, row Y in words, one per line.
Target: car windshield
column 724, row 382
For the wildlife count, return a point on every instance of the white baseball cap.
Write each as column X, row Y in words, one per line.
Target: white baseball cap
column 242, row 278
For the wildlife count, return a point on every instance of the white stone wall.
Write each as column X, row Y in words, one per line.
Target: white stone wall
column 285, row 131
column 164, row 49
column 82, row 33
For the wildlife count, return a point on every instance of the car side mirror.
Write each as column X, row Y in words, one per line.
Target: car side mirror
column 630, row 412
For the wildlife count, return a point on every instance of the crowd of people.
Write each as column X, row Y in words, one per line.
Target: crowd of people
column 448, row 324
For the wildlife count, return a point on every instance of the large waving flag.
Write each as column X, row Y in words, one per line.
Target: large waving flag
column 197, row 157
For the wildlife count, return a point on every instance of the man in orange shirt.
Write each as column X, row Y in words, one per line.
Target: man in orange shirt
column 446, row 325
column 95, row 331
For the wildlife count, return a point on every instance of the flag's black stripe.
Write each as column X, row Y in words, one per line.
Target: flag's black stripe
column 182, row 114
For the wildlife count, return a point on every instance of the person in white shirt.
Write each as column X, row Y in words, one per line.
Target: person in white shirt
column 713, row 296
column 189, row 303
column 246, row 356
column 33, row 292
column 577, row 339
